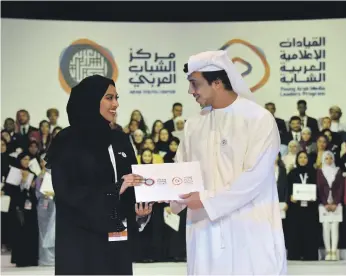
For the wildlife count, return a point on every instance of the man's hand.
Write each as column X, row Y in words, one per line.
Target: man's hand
column 142, row 212
column 130, row 180
column 192, row 200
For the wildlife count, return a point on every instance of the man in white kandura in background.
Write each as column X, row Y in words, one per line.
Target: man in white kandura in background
column 234, row 225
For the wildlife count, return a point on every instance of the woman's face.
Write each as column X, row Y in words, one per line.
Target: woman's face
column 158, row 127
column 328, row 160
column 25, row 162
column 303, row 159
column 33, row 149
column 6, row 136
column 109, row 104
column 321, row 143
column 293, row 148
column 329, row 135
column 133, row 126
column 180, row 125
column 138, row 137
column 9, row 125
column 173, row 146
column 45, row 128
column 306, row 136
column 3, row 146
column 164, row 136
column 136, row 115
column 149, row 144
column 147, row 157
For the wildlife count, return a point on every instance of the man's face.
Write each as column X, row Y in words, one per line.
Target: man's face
column 9, row 125
column 200, row 89
column 302, row 108
column 53, row 118
column 177, row 111
column 271, row 108
column 23, row 118
column 335, row 114
column 295, row 125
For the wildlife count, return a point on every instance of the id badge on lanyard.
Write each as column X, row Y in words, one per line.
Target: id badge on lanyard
column 118, row 236
column 304, row 180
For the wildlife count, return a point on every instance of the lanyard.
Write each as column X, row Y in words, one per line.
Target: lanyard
column 111, row 154
column 303, row 179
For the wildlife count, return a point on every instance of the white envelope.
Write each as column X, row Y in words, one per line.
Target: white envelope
column 5, row 203
column 304, row 192
column 14, row 176
column 326, row 216
column 34, row 166
column 172, row 220
column 167, row 181
column 47, row 185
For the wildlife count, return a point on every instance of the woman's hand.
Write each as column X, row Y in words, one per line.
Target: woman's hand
column 142, row 212
column 292, row 199
column 131, row 180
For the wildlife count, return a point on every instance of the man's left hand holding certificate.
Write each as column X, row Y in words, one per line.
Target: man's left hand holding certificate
column 166, row 182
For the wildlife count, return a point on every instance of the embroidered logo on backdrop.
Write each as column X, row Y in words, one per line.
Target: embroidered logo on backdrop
column 85, row 58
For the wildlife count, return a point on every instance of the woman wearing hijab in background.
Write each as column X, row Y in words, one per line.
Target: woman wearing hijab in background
column 282, row 185
column 334, row 144
column 148, row 143
column 163, row 144
column 172, row 150
column 93, row 185
column 56, row 130
column 179, row 123
column 330, row 184
column 137, row 140
column 23, row 216
column 46, row 221
column 34, row 150
column 45, row 136
column 306, row 143
column 155, row 131
column 302, row 217
column 11, row 144
column 290, row 158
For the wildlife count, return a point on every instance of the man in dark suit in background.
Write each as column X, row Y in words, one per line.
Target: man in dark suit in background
column 307, row 121
column 280, row 123
column 177, row 111
column 24, row 128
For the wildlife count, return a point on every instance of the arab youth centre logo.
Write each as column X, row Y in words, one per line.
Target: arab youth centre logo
column 84, row 58
column 259, row 52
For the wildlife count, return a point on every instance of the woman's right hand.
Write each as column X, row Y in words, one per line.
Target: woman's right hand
column 131, row 180
column 292, row 199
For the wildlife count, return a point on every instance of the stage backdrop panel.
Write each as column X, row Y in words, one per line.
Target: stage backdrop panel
column 281, row 61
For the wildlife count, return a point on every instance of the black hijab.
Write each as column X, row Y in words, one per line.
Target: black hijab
column 169, row 156
column 308, row 168
column 87, row 125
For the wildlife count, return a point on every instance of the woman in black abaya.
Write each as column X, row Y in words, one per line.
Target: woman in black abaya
column 93, row 185
column 303, row 227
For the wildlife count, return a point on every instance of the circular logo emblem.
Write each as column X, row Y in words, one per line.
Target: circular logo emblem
column 256, row 50
column 224, row 142
column 149, row 181
column 177, row 181
column 85, row 58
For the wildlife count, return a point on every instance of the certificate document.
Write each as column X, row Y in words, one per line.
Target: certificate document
column 304, row 192
column 167, row 181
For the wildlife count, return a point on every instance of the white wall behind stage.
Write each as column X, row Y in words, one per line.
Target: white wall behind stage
column 285, row 61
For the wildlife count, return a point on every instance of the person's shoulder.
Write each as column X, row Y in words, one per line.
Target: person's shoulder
column 119, row 135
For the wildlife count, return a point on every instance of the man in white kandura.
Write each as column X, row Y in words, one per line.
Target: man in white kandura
column 234, row 225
